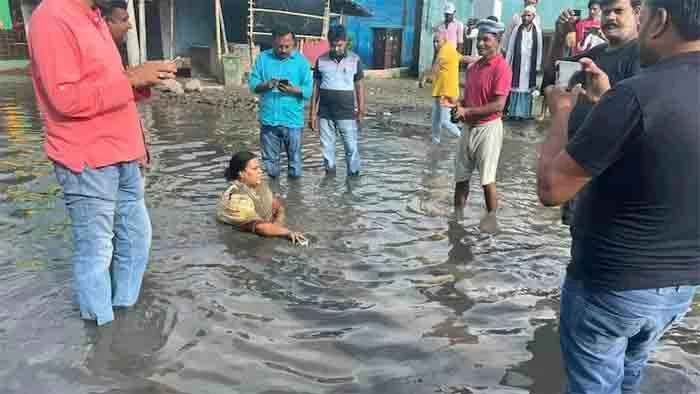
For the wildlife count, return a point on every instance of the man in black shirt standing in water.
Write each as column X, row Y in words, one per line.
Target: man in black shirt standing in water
column 619, row 58
column 636, row 240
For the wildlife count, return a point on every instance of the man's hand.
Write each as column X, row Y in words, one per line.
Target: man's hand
column 561, row 100
column 271, row 84
column 464, row 112
column 566, row 23
column 360, row 117
column 597, row 81
column 151, row 73
column 469, row 59
column 289, row 89
column 314, row 122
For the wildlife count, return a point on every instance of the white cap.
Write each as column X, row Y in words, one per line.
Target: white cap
column 450, row 8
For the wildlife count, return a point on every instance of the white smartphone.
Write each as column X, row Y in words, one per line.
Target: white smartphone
column 565, row 71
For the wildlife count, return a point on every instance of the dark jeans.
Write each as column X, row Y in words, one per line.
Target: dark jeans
column 607, row 336
column 275, row 138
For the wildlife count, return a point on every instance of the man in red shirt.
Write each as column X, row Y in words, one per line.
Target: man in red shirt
column 93, row 136
column 486, row 89
column 583, row 26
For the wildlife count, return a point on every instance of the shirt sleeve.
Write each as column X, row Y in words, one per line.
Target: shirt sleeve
column 607, row 132
column 317, row 73
column 502, row 81
column 360, row 73
column 256, row 74
column 142, row 94
column 460, row 34
column 57, row 60
column 307, row 80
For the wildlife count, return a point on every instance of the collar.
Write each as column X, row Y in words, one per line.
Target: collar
column 490, row 61
column 293, row 55
column 339, row 58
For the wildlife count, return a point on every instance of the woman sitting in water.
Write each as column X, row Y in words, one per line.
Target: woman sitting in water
column 249, row 204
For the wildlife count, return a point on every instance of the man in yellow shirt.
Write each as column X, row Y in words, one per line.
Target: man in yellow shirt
column 446, row 84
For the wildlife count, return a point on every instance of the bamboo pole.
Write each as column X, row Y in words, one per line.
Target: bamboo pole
column 262, row 33
column 326, row 18
column 132, row 38
column 283, row 12
column 142, row 30
column 172, row 29
column 217, row 23
column 223, row 28
column 251, row 29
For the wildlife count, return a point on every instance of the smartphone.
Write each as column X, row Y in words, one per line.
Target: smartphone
column 284, row 82
column 577, row 13
column 565, row 71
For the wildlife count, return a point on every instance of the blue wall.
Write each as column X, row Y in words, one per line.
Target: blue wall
column 393, row 14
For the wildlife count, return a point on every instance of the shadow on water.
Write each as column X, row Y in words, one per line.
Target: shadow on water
column 392, row 296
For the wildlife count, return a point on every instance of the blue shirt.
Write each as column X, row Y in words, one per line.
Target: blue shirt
column 277, row 108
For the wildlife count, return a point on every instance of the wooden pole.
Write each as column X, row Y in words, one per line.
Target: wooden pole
column 223, row 28
column 142, row 30
column 326, row 18
column 132, row 38
column 172, row 29
column 217, row 23
column 251, row 29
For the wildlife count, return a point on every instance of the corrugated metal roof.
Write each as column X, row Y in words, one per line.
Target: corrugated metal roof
column 350, row 7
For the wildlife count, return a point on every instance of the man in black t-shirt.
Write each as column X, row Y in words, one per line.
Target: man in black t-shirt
column 619, row 58
column 636, row 243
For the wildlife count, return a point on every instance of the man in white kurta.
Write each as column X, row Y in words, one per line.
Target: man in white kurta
column 524, row 54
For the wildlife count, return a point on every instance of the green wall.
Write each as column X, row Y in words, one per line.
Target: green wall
column 5, row 16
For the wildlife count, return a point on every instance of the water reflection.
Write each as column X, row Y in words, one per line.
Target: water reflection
column 392, row 296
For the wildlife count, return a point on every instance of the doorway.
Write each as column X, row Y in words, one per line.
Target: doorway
column 387, row 48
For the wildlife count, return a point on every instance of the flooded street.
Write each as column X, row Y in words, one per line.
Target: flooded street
column 392, row 296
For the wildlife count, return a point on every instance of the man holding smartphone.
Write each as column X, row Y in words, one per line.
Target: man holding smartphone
column 619, row 58
column 635, row 261
column 282, row 78
column 94, row 139
column 583, row 26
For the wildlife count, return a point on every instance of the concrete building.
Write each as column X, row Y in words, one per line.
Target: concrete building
column 386, row 38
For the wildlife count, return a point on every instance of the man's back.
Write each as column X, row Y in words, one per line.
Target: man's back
column 638, row 223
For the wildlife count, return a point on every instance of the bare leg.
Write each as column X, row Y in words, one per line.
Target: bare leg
column 491, row 197
column 461, row 195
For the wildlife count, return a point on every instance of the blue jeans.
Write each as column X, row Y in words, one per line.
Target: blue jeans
column 348, row 130
column 607, row 336
column 441, row 118
column 111, row 236
column 272, row 140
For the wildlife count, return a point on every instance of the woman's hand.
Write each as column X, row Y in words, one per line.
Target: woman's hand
column 297, row 238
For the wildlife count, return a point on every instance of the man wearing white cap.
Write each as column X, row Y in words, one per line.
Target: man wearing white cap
column 487, row 85
column 524, row 54
column 453, row 27
column 516, row 20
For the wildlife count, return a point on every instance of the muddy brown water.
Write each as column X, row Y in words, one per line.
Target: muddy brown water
column 392, row 296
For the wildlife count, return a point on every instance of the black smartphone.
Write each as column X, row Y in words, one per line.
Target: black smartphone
column 284, row 82
column 577, row 13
